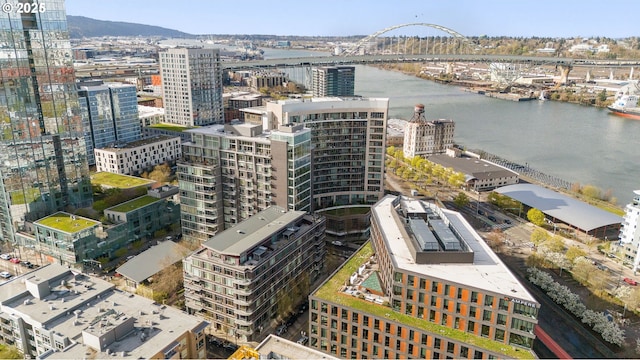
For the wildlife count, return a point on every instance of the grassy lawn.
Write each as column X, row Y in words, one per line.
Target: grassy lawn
column 330, row 292
column 134, row 204
column 118, row 181
column 63, row 221
column 170, row 127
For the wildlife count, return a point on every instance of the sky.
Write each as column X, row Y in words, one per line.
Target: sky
column 518, row 18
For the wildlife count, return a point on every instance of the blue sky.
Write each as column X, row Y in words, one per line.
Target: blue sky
column 542, row 18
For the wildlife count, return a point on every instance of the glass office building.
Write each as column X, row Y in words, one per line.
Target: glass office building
column 43, row 162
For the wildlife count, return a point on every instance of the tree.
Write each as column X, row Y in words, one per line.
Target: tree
column 167, row 281
column 555, row 244
column 10, row 352
column 161, row 173
column 536, row 216
column 573, row 253
column 461, row 200
column 538, row 236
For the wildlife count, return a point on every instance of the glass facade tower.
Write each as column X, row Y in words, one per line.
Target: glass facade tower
column 43, row 162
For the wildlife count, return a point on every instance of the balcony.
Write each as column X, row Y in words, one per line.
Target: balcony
column 242, row 281
column 240, row 302
column 244, row 292
column 243, row 322
column 245, row 312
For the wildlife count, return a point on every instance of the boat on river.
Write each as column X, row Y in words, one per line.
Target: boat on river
column 626, row 106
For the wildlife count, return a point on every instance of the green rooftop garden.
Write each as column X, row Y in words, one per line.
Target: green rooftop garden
column 19, row 197
column 356, row 210
column 118, row 181
column 134, row 204
column 64, row 222
column 170, row 127
column 330, row 291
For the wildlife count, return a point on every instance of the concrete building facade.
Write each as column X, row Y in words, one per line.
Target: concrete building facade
column 630, row 231
column 247, row 278
column 426, row 286
column 333, row 81
column 425, row 138
column 192, row 86
column 136, row 157
column 57, row 313
column 348, row 141
column 229, row 173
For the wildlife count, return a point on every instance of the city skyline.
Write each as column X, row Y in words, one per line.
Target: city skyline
column 566, row 19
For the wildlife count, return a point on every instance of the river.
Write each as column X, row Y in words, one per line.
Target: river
column 577, row 143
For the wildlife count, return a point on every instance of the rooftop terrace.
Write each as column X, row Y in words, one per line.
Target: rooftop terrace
column 134, row 204
column 112, row 180
column 333, row 290
column 67, row 222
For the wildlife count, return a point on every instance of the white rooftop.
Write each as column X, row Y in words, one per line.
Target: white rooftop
column 486, row 271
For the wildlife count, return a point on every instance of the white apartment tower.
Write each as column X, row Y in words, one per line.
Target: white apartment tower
column 424, row 138
column 630, row 231
column 192, row 86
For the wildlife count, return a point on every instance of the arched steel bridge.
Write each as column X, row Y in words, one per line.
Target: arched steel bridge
column 470, row 53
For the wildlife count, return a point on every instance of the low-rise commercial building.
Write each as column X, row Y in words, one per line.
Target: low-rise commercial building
column 136, row 157
column 56, row 313
column 246, row 278
column 425, row 286
column 480, row 175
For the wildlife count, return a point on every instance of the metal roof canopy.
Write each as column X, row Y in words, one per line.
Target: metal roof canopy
column 152, row 261
column 557, row 205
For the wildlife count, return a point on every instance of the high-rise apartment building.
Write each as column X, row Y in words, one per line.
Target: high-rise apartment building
column 192, row 86
column 426, row 286
column 42, row 145
column 245, row 278
column 230, row 172
column 425, row 138
column 333, row 81
column 110, row 115
column 630, row 231
column 348, row 142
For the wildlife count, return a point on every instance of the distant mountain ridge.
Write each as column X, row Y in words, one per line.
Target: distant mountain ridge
column 80, row 26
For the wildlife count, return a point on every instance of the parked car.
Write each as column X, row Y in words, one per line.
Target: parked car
column 5, row 274
column 303, row 340
column 281, row 329
column 27, row 264
column 480, row 212
column 492, row 218
column 630, row 281
column 507, row 221
column 5, row 256
column 15, row 260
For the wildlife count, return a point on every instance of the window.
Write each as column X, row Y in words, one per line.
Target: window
column 434, row 286
column 447, row 287
column 472, row 311
column 488, row 300
column 485, row 330
column 451, row 347
column 459, row 295
column 410, row 280
column 474, row 296
column 502, row 319
column 503, row 304
column 486, row 315
column 499, row 335
column 471, row 327
column 354, row 317
column 409, row 294
column 436, row 343
column 444, row 319
column 522, row 325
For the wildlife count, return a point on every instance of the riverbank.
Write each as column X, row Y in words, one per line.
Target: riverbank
column 513, row 92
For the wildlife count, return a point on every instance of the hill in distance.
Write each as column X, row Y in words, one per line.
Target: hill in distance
column 80, row 26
